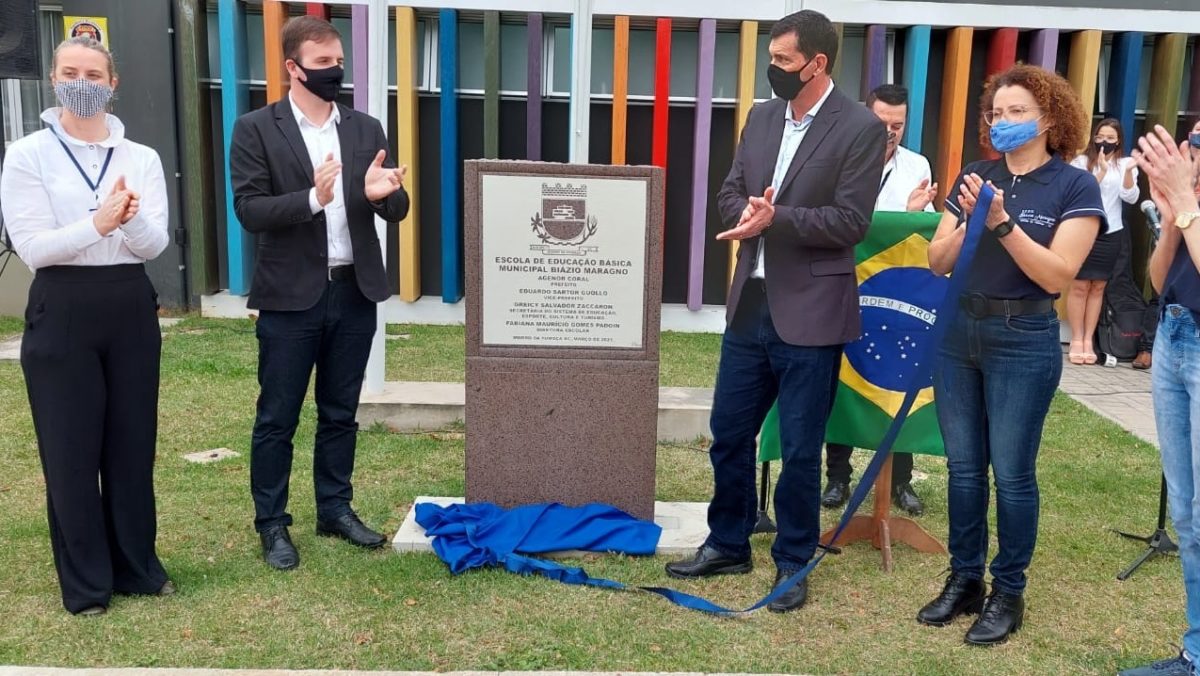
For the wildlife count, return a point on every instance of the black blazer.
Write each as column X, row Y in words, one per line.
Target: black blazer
column 272, row 175
column 822, row 210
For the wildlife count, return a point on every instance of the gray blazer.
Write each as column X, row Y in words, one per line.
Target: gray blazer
column 822, row 210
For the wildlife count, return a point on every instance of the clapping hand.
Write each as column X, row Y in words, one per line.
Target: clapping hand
column 380, row 182
column 756, row 217
column 922, row 195
column 116, row 209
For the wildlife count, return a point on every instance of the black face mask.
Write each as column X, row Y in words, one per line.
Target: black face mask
column 324, row 82
column 786, row 84
column 1106, row 147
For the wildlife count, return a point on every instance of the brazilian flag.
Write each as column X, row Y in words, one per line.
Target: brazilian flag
column 898, row 296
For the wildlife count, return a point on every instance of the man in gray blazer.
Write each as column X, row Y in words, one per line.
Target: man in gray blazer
column 799, row 197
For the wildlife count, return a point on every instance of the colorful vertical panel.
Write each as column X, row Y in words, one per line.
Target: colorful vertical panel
column 953, row 126
column 318, row 10
column 705, row 62
column 235, row 101
column 620, row 107
column 1083, row 71
column 747, row 70
column 407, row 149
column 1002, row 54
column 1124, row 72
column 662, row 91
column 533, row 103
column 451, row 161
column 916, row 78
column 491, row 84
column 1043, row 49
column 358, row 46
column 1166, row 80
column 874, row 65
column 275, row 14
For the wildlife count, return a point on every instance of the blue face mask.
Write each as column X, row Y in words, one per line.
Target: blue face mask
column 1008, row 136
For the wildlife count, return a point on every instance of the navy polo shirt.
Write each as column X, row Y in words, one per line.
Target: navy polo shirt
column 1038, row 202
column 1183, row 281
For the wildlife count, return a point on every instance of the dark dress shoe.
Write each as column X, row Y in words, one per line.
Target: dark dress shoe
column 960, row 596
column 1142, row 361
column 836, row 494
column 93, row 611
column 1002, row 614
column 906, row 499
column 278, row 550
column 349, row 528
column 708, row 561
column 793, row 598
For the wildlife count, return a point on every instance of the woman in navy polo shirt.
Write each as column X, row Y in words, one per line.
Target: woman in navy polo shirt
column 1175, row 378
column 1001, row 361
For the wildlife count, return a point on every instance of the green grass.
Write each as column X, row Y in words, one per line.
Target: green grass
column 348, row 609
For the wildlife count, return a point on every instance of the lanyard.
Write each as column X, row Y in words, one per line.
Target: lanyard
column 885, row 179
column 95, row 187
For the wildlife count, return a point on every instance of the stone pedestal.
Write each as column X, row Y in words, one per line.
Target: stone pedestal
column 564, row 266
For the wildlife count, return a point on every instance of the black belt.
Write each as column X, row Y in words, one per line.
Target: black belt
column 978, row 305
column 341, row 273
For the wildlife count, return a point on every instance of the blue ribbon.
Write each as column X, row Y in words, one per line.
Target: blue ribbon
column 601, row 528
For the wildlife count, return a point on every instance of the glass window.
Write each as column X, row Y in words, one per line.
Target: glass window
column 560, row 67
column 514, row 58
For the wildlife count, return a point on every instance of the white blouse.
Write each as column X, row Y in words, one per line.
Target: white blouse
column 1112, row 188
column 48, row 205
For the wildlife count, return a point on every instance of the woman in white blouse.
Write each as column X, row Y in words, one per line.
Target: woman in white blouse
column 1117, row 175
column 85, row 208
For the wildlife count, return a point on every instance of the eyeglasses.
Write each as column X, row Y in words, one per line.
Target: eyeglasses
column 1012, row 114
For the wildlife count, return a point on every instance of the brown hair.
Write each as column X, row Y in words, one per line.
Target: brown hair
column 301, row 29
column 88, row 42
column 1067, row 123
column 1093, row 155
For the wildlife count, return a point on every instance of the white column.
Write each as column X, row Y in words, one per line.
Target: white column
column 377, row 98
column 581, row 80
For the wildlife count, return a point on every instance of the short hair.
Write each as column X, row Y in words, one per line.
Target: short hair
column 1059, row 103
column 301, row 29
column 814, row 34
column 891, row 94
column 90, row 43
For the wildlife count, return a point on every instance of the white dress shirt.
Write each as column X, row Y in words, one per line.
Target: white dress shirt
column 48, row 205
column 793, row 133
column 901, row 175
column 1112, row 188
column 320, row 142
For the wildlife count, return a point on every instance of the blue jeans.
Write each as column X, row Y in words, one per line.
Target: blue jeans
column 993, row 383
column 756, row 367
column 334, row 336
column 1175, row 381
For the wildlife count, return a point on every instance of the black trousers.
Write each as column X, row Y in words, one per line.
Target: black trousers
column 90, row 354
column 334, row 336
column 837, row 465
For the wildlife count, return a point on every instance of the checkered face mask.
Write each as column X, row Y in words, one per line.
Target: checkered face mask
column 83, row 97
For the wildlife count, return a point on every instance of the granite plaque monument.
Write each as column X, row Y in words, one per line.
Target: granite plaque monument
column 564, row 266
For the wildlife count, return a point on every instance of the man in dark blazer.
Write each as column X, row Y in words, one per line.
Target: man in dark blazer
column 309, row 177
column 799, row 198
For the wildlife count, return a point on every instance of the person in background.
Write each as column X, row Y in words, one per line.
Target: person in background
column 1000, row 362
column 1174, row 174
column 906, row 185
column 1117, row 175
column 799, row 197
column 309, row 177
column 85, row 208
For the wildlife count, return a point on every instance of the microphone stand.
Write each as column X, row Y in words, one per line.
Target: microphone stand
column 1157, row 542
